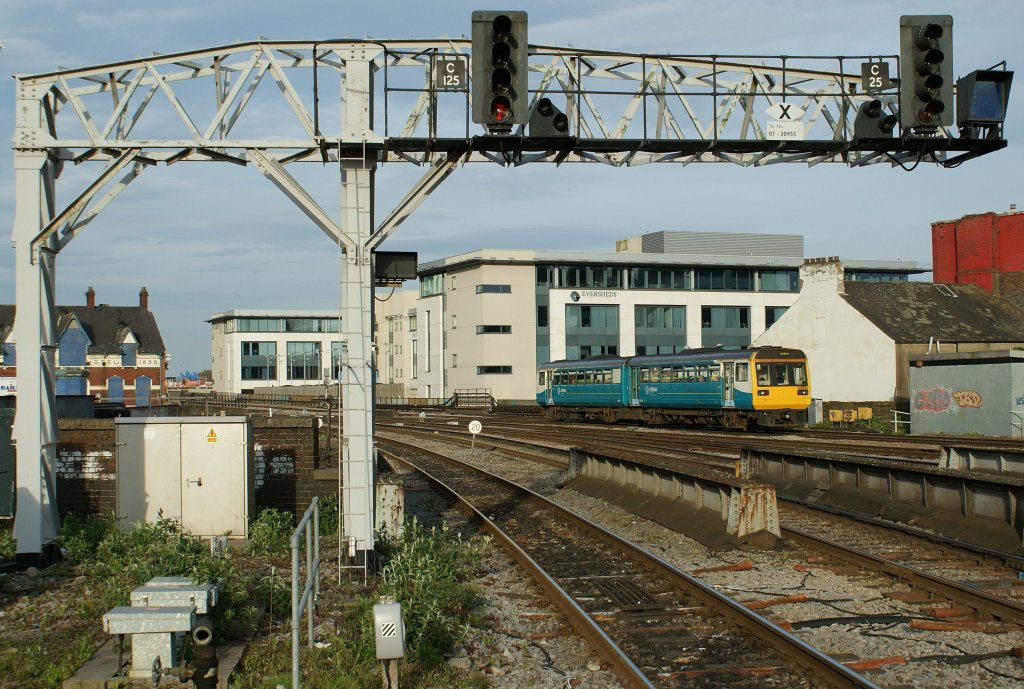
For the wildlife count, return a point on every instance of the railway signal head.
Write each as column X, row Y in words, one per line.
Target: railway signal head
column 926, row 71
column 872, row 121
column 499, row 70
column 547, row 120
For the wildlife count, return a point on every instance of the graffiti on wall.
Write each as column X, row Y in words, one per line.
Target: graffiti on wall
column 1019, row 400
column 271, row 464
column 942, row 400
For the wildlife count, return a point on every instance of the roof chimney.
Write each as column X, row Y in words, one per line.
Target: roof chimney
column 144, row 299
column 90, row 297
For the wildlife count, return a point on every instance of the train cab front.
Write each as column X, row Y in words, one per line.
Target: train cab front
column 782, row 388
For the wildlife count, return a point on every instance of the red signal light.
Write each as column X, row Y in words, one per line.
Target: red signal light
column 501, row 110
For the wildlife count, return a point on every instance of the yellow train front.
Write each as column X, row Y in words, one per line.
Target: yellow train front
column 780, row 388
column 760, row 387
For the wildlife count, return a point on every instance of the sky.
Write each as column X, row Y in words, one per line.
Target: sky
column 208, row 238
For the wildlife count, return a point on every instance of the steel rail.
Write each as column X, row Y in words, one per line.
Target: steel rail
column 804, row 656
column 999, row 608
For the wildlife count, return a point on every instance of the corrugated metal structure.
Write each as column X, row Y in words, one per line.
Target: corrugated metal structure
column 718, row 243
column 968, row 392
column 986, row 250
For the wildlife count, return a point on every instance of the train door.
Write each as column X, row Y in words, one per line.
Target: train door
column 634, row 382
column 544, row 385
column 728, row 384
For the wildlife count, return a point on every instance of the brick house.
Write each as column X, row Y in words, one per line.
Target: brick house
column 112, row 353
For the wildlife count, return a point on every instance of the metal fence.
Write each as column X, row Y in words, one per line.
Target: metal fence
column 310, row 524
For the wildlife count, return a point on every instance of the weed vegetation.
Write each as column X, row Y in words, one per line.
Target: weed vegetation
column 50, row 620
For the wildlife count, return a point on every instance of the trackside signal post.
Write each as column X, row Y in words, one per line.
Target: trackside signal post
column 527, row 104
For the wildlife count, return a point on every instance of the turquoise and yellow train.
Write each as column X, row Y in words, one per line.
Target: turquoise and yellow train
column 757, row 387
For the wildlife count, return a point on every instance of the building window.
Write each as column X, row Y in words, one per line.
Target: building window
column 431, row 285
column 494, row 289
column 303, row 361
column 659, row 278
column 490, row 370
column 412, row 321
column 728, row 326
column 772, row 314
column 259, row 361
column 660, row 329
column 415, row 360
column 493, row 329
column 591, row 330
column 728, row 279
column 453, row 282
column 129, row 353
column 258, row 325
column 874, row 276
column 455, row 321
column 780, row 281
column 455, row 360
column 311, row 325
column 545, row 275
column 338, row 350
column 608, row 277
column 542, row 316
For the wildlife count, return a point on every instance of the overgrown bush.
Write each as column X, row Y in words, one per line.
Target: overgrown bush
column 8, row 548
column 271, row 532
column 427, row 571
column 123, row 560
column 329, row 515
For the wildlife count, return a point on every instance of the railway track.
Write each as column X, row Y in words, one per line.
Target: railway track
column 655, row 625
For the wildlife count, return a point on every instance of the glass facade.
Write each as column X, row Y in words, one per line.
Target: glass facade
column 303, row 361
column 874, row 276
column 660, row 329
column 728, row 326
column 772, row 314
column 591, row 331
column 284, row 325
column 259, row 361
column 730, row 279
column 659, row 278
column 606, row 277
column 780, row 280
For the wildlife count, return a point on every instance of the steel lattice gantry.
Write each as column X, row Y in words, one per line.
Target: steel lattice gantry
column 259, row 104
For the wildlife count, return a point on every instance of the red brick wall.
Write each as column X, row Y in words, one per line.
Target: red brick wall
column 981, row 249
column 288, row 472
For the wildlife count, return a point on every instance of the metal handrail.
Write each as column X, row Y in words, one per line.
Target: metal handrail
column 310, row 523
column 900, row 418
column 1016, row 423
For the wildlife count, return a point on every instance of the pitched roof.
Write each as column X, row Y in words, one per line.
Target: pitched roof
column 917, row 311
column 104, row 325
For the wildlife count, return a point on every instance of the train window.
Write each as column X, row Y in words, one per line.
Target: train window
column 572, row 377
column 677, row 374
column 689, row 374
column 655, row 375
column 702, row 374
column 616, row 376
column 742, row 373
column 780, row 374
column 645, row 375
column 715, row 375
column 666, row 374
column 763, row 375
column 540, row 378
column 799, row 374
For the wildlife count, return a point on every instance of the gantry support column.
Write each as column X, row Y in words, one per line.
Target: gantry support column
column 35, row 422
column 359, row 470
